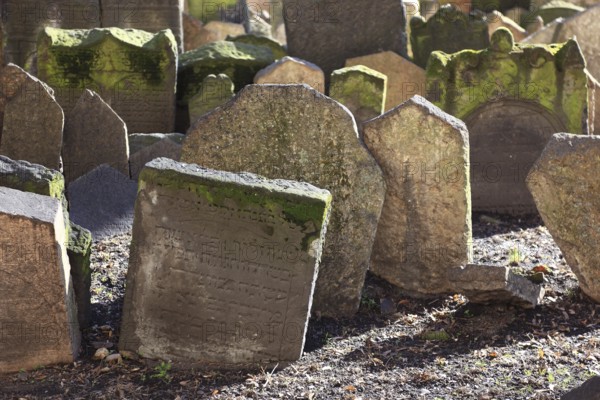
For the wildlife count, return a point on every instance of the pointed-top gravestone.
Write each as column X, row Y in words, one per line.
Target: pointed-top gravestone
column 94, row 135
column 425, row 225
column 31, row 119
column 294, row 132
column 291, row 70
column 328, row 33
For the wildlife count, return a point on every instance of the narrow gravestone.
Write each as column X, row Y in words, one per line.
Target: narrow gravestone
column 38, row 316
column 516, row 97
column 425, row 225
column 449, row 30
column 215, row 91
column 32, row 121
column 404, row 79
column 361, row 89
column 132, row 70
column 222, row 266
column 563, row 182
column 271, row 10
column 593, row 105
column 291, row 70
column 328, row 33
column 295, row 132
column 94, row 135
column 165, row 148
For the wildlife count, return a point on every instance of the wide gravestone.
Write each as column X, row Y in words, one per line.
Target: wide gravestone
column 291, row 70
column 38, row 315
column 294, row 132
column 564, row 183
column 30, row 118
column 424, row 155
column 328, row 33
column 222, row 266
column 516, row 96
column 132, row 70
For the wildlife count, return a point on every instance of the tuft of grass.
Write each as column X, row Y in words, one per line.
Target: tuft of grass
column 162, row 371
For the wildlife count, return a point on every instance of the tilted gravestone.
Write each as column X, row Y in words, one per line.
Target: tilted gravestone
column 425, row 224
column 563, row 182
column 404, row 79
column 30, row 118
column 94, row 135
column 132, row 70
column 294, row 132
column 38, row 314
column 291, row 70
column 222, row 266
column 216, row 90
column 328, row 33
column 512, row 97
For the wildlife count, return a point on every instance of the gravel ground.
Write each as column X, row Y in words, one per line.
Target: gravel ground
column 394, row 348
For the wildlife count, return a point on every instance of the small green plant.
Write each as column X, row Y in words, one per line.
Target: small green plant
column 368, row 302
column 515, row 256
column 468, row 314
column 162, row 371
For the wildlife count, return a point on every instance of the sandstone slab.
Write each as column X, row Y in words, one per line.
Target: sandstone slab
column 291, row 70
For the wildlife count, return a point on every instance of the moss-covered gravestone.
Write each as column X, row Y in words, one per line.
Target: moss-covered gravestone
column 295, row 132
column 216, row 90
column 132, row 70
column 291, row 70
column 448, row 30
column 222, row 266
column 361, row 89
column 512, row 97
column 425, row 224
column 277, row 49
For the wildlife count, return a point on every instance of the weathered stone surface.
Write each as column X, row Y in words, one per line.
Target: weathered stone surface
column 137, row 141
column 485, row 284
column 449, row 30
column 78, row 14
column 404, row 79
column 254, row 23
column 583, row 26
column 196, row 34
column 148, row 15
column 593, row 105
column 552, row 10
column 256, row 40
column 516, row 96
column 102, row 201
column 328, row 33
column 425, row 224
column 215, row 91
column 79, row 250
column 589, row 390
column 291, row 70
column 294, row 132
column 31, row 119
column 361, row 89
column 215, row 252
column 132, row 70
column 271, row 11
column 35, row 283
column 496, row 20
column 94, row 135
column 210, row 10
column 165, row 148
column 563, row 182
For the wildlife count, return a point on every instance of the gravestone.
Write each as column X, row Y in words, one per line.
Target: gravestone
column 404, row 79
column 425, row 224
column 328, row 33
column 552, row 10
column 448, row 30
column 295, row 132
column 132, row 70
column 215, row 91
column 593, row 105
column 256, row 40
column 165, row 148
column 563, row 182
column 38, row 314
column 79, row 250
column 79, row 14
column 148, row 15
column 516, row 96
column 211, row 10
column 361, row 89
column 196, row 34
column 222, row 266
column 94, row 135
column 271, row 11
column 496, row 20
column 291, row 70
column 31, row 119
column 137, row 141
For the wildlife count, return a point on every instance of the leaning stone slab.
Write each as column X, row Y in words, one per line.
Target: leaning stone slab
column 404, row 79
column 79, row 250
column 328, row 33
column 425, row 224
column 295, row 132
column 215, row 91
column 165, row 148
column 516, row 97
column 291, row 70
column 485, row 284
column 361, row 89
column 38, row 314
column 563, row 182
column 94, row 135
column 32, row 121
column 589, row 390
column 132, row 70
column 222, row 266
